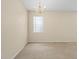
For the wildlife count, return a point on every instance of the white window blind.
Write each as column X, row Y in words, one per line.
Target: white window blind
column 37, row 24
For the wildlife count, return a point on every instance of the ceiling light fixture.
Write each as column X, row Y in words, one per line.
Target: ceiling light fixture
column 40, row 6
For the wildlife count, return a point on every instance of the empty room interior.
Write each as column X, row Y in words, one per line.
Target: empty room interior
column 38, row 29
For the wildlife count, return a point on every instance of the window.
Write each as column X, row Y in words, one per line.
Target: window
column 37, row 24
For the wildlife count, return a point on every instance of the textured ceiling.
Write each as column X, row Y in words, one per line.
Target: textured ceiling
column 53, row 5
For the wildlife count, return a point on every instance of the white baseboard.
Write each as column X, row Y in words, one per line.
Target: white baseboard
column 18, row 52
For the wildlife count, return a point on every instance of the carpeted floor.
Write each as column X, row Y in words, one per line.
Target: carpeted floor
column 61, row 50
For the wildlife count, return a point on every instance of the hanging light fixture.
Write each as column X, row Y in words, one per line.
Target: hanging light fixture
column 40, row 6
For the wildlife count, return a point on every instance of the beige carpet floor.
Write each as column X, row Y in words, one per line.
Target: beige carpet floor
column 48, row 51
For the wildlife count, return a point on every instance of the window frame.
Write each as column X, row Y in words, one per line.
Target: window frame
column 41, row 28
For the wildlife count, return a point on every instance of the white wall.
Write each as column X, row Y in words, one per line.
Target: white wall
column 58, row 27
column 14, row 28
